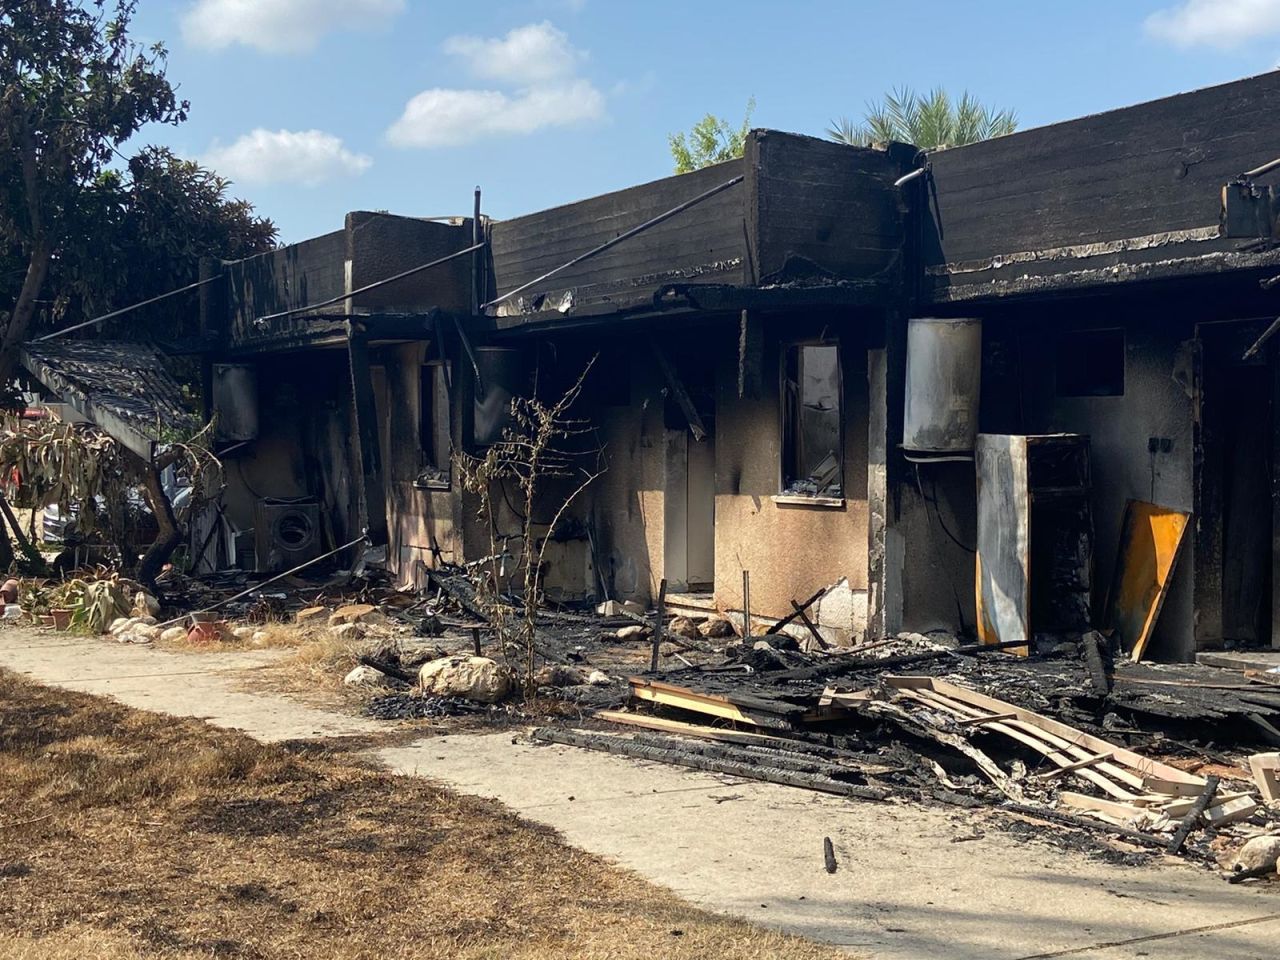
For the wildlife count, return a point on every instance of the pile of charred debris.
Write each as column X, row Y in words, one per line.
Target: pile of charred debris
column 1072, row 743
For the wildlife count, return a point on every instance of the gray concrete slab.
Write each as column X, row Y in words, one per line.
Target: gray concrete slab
column 206, row 685
column 912, row 882
column 1240, row 659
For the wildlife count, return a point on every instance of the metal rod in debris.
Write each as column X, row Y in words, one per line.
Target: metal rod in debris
column 746, row 605
column 615, row 241
column 657, row 626
column 258, row 586
column 1261, row 342
column 372, row 286
column 131, row 307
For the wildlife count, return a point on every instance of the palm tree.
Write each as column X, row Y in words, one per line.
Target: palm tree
column 932, row 121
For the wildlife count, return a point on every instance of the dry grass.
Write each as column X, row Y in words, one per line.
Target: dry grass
column 129, row 835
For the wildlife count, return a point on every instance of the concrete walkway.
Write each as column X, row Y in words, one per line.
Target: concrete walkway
column 912, row 882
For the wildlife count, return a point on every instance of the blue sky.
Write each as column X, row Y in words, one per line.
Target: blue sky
column 317, row 107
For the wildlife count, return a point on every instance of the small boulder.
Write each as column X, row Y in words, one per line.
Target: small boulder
column 259, row 638
column 559, row 675
column 1258, row 854
column 120, row 624
column 668, row 649
column 352, row 613
column 243, row 633
column 634, row 632
column 363, row 676
column 473, row 678
column 716, row 627
column 148, row 631
column 173, row 635
column 348, row 631
column 308, row 614
column 145, row 605
column 598, row 678
column 684, row 627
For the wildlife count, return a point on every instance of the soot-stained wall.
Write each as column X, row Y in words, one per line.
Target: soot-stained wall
column 792, row 549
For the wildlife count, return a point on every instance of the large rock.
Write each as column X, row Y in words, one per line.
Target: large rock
column 1257, row 854
column 472, row 678
column 716, row 627
column 173, row 635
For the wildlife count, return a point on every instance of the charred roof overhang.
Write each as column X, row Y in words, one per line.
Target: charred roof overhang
column 1142, row 194
column 121, row 388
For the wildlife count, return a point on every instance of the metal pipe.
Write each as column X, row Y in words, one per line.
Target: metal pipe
column 1259, row 171
column 368, row 286
column 475, row 256
column 258, row 586
column 615, row 241
column 1261, row 342
column 124, row 310
column 907, row 178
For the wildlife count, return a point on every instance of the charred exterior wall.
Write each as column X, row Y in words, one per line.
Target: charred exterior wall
column 792, row 549
column 304, row 446
column 425, row 524
column 1022, row 346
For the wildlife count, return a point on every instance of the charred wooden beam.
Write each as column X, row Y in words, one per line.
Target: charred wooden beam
column 749, row 771
column 681, row 395
column 369, row 484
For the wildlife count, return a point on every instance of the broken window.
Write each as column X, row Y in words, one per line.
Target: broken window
column 812, row 464
column 1090, row 363
column 434, row 441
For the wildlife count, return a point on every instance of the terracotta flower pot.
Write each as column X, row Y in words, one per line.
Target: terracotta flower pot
column 61, row 619
column 204, row 631
column 46, row 619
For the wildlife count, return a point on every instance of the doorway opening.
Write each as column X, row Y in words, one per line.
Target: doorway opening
column 1234, row 556
column 689, row 502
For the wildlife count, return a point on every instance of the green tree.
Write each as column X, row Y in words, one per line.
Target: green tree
column 711, row 140
column 73, row 88
column 933, row 121
column 147, row 228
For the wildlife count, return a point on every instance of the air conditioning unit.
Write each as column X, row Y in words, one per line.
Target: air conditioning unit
column 286, row 534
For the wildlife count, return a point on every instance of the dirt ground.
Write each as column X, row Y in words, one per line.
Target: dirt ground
column 127, row 834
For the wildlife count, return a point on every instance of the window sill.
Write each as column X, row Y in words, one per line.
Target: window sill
column 799, row 500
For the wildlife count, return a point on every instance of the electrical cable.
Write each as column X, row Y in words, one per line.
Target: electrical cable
column 124, row 310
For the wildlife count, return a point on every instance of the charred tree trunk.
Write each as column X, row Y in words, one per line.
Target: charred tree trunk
column 24, row 309
column 170, row 535
column 6, row 550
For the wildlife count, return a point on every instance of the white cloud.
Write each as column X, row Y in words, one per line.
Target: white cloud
column 536, row 60
column 448, row 118
column 308, row 157
column 536, row 53
column 1215, row 23
column 280, row 26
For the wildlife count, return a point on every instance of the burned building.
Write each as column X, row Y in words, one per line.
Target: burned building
column 1078, row 317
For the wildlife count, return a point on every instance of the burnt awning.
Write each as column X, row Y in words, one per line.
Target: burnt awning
column 122, row 388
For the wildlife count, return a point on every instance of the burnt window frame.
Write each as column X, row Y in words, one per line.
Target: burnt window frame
column 789, row 425
column 435, row 466
column 1065, row 351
